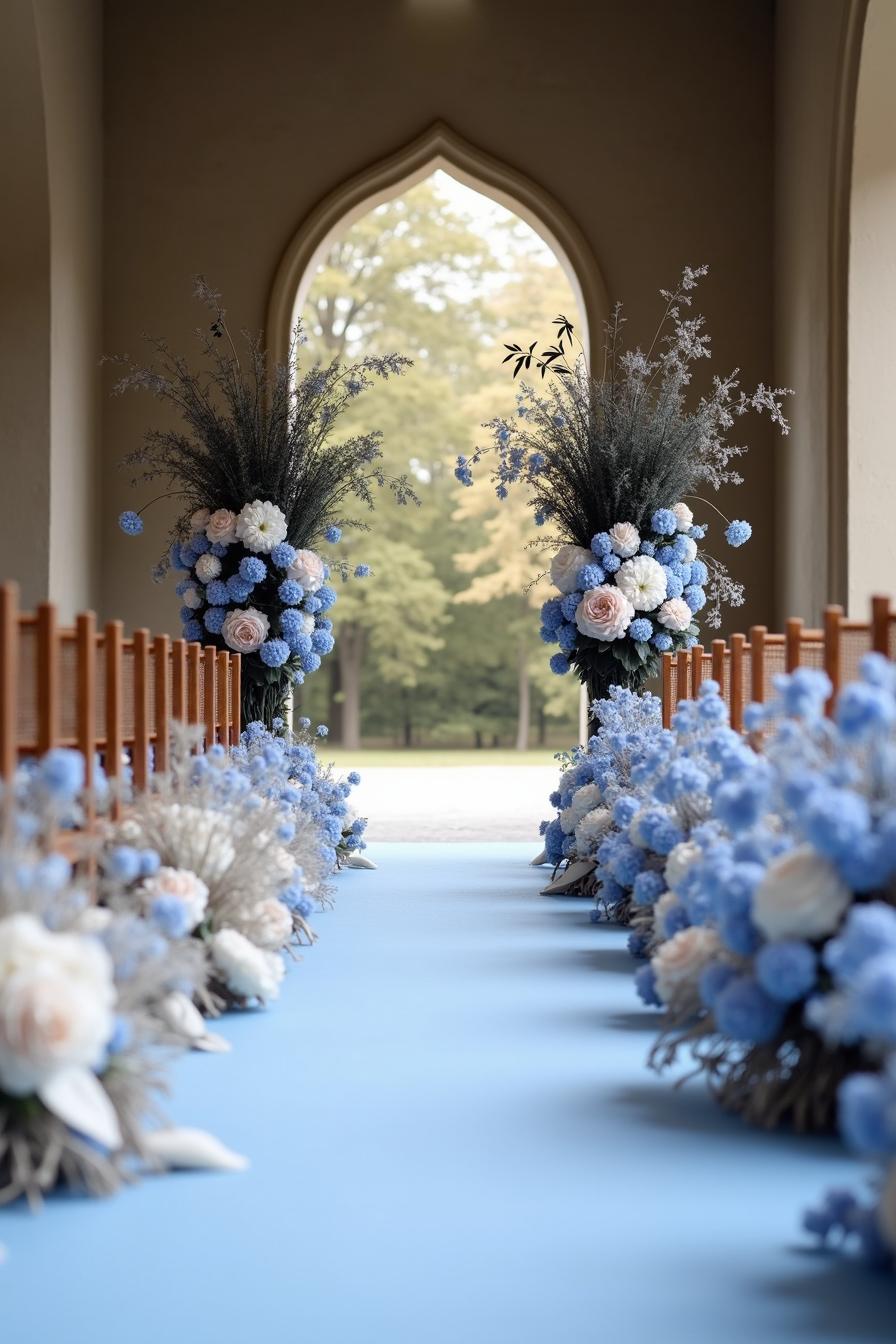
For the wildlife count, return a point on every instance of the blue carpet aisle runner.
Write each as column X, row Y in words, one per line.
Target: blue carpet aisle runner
column 453, row 1138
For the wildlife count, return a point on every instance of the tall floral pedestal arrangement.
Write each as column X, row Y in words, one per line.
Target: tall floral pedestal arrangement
column 264, row 482
column 611, row 464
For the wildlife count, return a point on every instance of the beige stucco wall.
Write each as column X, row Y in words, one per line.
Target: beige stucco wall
column 872, row 316
column 227, row 122
column 815, row 44
column 69, row 34
column 50, row 297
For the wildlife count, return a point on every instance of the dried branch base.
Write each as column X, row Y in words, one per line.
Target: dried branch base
column 790, row 1082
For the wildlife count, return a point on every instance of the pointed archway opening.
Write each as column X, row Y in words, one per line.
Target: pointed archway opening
column 442, row 652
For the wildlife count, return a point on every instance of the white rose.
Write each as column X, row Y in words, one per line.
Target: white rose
column 184, row 886
column 208, row 567
column 886, row 1209
column 261, row 526
column 679, row 862
column 683, row 517
column 604, row 613
column 675, row 614
column 591, row 829
column 687, row 547
column 625, row 539
column 308, row 570
column 245, row 629
column 192, row 598
column 57, row 997
column 566, row 565
column 584, row 800
column 800, row 896
column 221, row 527
column 248, row 971
column 199, row 520
column 267, row 924
column 677, row 963
column 643, row 582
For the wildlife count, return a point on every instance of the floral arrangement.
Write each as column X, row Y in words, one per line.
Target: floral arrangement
column 81, row 1026
column 263, row 483
column 610, row 462
column 233, row 869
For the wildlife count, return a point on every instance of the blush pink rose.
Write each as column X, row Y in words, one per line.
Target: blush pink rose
column 245, row 630
column 604, row 613
column 221, row 527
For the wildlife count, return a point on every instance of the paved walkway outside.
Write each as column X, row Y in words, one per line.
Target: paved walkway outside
column 480, row 802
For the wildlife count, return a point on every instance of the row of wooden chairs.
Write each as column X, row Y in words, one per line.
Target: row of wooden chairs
column 112, row 697
column 745, row 667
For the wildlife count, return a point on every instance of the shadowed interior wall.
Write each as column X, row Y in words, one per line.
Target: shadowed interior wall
column 227, row 123
column 24, row 306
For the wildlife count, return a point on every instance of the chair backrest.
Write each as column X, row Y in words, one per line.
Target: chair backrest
column 106, row 694
column 746, row 667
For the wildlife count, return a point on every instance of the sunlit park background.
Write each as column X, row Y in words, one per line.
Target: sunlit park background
column 438, row 658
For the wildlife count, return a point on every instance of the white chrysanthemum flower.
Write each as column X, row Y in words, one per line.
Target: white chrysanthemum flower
column 679, row 862
column 57, row 997
column 625, row 539
column 208, row 567
column 591, row 830
column 261, row 526
column 566, row 566
column 800, row 896
column 684, row 518
column 675, row 614
column 677, row 963
column 192, row 598
column 248, row 971
column 643, row 582
column 583, row 801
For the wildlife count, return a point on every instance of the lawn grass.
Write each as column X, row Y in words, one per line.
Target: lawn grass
column 434, row 758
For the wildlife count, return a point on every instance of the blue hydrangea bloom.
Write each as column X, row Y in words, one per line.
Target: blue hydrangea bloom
column 648, row 887
column 645, row 984
column 611, row 563
column 274, row 652
column 567, row 637
column 647, row 548
column 786, row 970
column 640, row 629
column 312, row 604
column 61, row 773
column 569, row 605
column 362, row 571
column 192, row 631
column 290, row 593
column 664, row 523
column 601, row 544
column 559, row 664
column 171, row 916
column 123, row 862
column 699, row 572
column 213, row 620
column 590, row 576
column 674, row 583
column 310, row 661
column 253, row 569
column 868, row 931
column 745, row 1012
column 238, row 588
column 863, row 711
column 697, row 532
column 713, row 979
column 130, row 523
column 737, row 532
column 866, row 1114
column 552, row 613
column 695, row 597
column 322, row 642
column 662, row 641
column 217, row 593
column 283, row 555
column 326, row 596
